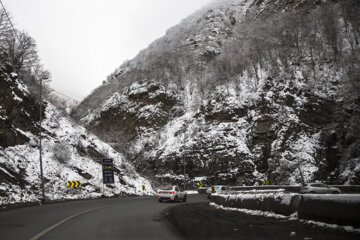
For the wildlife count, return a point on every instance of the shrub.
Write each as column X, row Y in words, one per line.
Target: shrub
column 62, row 152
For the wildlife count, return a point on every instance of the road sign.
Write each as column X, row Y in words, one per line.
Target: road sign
column 73, row 184
column 143, row 187
column 200, row 184
column 266, row 182
column 108, row 171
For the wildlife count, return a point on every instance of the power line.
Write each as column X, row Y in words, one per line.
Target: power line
column 77, row 101
column 62, row 94
column 35, row 72
column 12, row 26
column 18, row 38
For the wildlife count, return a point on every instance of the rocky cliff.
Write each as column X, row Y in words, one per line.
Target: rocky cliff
column 19, row 112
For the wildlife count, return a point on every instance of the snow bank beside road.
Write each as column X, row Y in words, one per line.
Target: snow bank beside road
column 277, row 202
column 191, row 192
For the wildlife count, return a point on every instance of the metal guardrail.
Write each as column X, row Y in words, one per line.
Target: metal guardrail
column 287, row 188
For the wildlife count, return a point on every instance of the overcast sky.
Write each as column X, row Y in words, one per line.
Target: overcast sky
column 83, row 41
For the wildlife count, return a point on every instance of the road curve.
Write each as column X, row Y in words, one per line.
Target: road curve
column 121, row 218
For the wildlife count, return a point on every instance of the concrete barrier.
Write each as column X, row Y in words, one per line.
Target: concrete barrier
column 295, row 188
column 287, row 188
column 341, row 209
column 348, row 188
column 280, row 203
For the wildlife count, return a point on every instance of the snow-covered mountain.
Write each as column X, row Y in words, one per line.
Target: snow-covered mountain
column 239, row 92
column 70, row 152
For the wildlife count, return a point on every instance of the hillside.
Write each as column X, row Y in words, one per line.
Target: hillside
column 239, row 92
column 70, row 153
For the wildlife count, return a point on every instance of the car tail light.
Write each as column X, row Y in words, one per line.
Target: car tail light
column 159, row 191
column 172, row 192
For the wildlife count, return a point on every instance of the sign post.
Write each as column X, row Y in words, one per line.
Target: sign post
column 108, row 171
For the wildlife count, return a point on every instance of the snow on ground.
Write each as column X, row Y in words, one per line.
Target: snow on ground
column 79, row 165
column 199, row 179
column 191, row 192
column 170, row 176
column 278, row 195
column 173, row 143
column 253, row 191
column 251, row 212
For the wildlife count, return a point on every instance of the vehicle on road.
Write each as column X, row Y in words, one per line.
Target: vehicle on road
column 171, row 193
column 220, row 189
column 319, row 188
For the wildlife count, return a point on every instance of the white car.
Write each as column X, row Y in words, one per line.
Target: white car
column 171, row 193
column 216, row 189
column 319, row 188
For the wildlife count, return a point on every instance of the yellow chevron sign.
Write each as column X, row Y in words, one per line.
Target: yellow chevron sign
column 73, row 184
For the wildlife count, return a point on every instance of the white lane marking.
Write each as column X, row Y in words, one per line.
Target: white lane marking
column 44, row 232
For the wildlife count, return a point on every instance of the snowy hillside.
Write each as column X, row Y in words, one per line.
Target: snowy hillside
column 225, row 139
column 253, row 90
column 70, row 153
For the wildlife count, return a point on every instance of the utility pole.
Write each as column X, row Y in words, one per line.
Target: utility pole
column 40, row 146
column 184, row 172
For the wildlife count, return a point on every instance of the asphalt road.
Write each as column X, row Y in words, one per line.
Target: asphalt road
column 146, row 218
column 122, row 218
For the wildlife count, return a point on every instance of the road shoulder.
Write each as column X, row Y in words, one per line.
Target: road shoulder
column 201, row 221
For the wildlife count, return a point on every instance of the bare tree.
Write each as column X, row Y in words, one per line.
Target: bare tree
column 331, row 29
column 22, row 51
